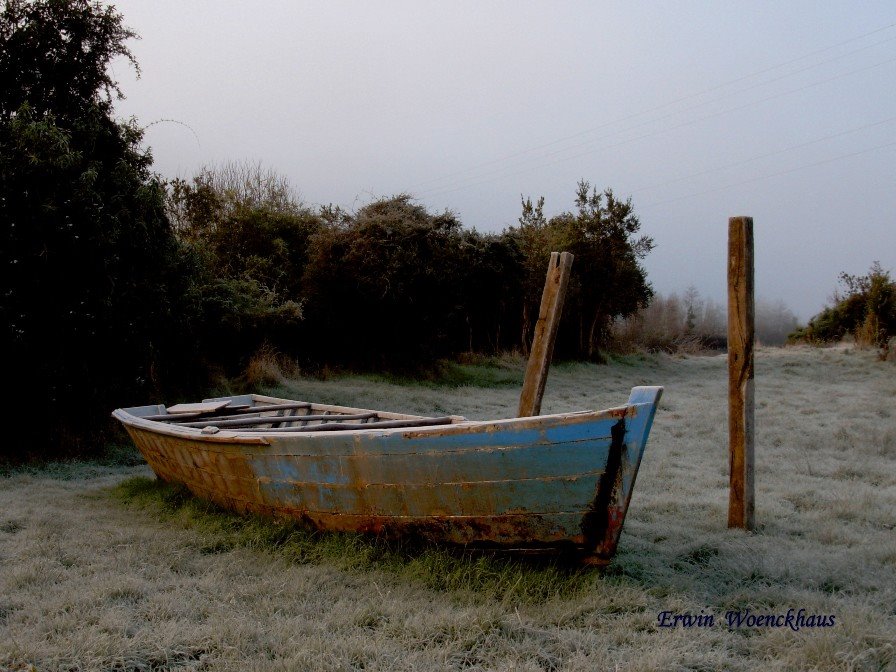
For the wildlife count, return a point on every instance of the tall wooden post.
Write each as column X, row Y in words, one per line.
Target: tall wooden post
column 545, row 334
column 741, row 501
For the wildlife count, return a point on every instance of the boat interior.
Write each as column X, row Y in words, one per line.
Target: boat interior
column 258, row 413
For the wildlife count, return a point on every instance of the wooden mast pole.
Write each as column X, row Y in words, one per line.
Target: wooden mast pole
column 741, row 330
column 545, row 333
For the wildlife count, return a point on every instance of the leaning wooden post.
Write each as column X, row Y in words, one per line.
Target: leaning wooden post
column 741, row 501
column 545, row 334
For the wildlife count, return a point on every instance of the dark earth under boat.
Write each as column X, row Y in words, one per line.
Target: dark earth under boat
column 549, row 481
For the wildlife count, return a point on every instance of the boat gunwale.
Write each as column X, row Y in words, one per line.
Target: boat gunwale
column 459, row 425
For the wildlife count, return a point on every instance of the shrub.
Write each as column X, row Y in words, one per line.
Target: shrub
column 246, row 237
column 381, row 285
column 607, row 281
column 88, row 284
column 867, row 310
column 269, row 367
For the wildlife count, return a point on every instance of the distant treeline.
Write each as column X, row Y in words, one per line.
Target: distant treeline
column 689, row 323
column 392, row 284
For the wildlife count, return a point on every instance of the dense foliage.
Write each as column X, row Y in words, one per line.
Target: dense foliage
column 389, row 285
column 87, row 253
column 607, row 281
column 382, row 283
column 245, row 240
column 866, row 309
column 394, row 284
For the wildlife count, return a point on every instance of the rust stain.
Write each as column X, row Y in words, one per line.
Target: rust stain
column 227, row 480
column 494, row 531
column 601, row 522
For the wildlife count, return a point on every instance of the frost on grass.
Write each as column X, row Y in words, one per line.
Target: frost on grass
column 100, row 568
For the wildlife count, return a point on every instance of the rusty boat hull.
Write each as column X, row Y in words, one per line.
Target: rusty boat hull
column 544, row 482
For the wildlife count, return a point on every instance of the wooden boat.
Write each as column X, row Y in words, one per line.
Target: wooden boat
column 543, row 482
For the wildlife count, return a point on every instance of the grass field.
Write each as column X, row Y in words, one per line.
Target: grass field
column 101, row 568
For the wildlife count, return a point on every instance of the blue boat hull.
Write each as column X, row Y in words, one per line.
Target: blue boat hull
column 545, row 481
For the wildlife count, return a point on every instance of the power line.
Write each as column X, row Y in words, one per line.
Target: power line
column 175, row 121
column 767, row 177
column 764, row 156
column 663, row 105
column 523, row 162
column 495, row 175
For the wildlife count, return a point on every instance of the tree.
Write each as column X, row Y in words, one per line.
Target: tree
column 489, row 281
column 56, row 54
column 694, row 307
column 247, row 236
column 867, row 310
column 876, row 291
column 774, row 321
column 87, row 251
column 382, row 285
column 607, row 280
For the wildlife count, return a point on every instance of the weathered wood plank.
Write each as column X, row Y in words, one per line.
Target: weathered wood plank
column 557, row 495
column 201, row 407
column 170, row 417
column 342, row 426
column 229, row 412
column 319, row 408
column 741, row 502
column 259, row 408
column 545, row 334
column 527, row 461
column 271, row 420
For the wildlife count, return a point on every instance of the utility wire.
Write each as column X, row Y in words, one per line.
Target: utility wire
column 767, row 177
column 758, row 157
column 175, row 121
column 499, row 175
column 662, row 106
column 562, row 150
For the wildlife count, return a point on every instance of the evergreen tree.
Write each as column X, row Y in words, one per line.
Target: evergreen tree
column 87, row 251
column 607, row 280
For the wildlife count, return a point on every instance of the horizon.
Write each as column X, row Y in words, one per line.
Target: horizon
column 782, row 113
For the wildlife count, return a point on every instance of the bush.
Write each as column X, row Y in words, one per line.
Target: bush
column 88, row 256
column 269, row 367
column 490, row 285
column 867, row 310
column 607, row 282
column 391, row 285
column 245, row 235
column 382, row 285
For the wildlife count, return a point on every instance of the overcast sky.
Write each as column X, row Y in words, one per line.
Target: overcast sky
column 784, row 111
